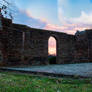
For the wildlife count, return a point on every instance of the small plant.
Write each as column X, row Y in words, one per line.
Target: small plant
column 52, row 60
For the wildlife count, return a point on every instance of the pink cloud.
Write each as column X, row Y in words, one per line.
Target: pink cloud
column 52, row 51
column 64, row 28
column 52, row 46
column 68, row 28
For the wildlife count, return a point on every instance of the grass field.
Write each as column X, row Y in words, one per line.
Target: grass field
column 16, row 82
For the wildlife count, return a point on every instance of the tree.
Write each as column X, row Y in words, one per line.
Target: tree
column 6, row 9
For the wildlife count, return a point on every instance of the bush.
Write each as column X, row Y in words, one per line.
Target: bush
column 52, row 60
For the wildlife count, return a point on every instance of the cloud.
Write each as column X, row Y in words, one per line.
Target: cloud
column 85, row 18
column 25, row 17
column 68, row 28
column 71, row 25
column 52, row 46
column 52, row 51
column 61, row 4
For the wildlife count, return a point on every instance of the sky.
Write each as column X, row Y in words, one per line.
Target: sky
column 52, row 46
column 66, row 16
column 59, row 15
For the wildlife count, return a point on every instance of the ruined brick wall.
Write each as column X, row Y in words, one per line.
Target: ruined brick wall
column 84, row 46
column 6, row 23
column 20, row 44
column 11, row 40
column 89, row 36
column 35, row 46
column 31, row 45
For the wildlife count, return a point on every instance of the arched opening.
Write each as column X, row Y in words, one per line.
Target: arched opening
column 52, row 50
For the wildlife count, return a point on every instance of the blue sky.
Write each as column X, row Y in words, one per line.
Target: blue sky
column 74, row 7
column 41, row 9
column 59, row 15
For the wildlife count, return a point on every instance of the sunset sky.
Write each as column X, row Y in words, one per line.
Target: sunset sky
column 58, row 15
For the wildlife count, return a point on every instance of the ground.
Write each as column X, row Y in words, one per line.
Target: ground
column 82, row 69
column 18, row 82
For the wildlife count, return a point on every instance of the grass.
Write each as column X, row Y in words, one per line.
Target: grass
column 16, row 82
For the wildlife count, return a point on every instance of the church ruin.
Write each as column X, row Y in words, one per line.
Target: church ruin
column 20, row 44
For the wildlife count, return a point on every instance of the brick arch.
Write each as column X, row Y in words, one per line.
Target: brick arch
column 64, row 47
column 56, row 37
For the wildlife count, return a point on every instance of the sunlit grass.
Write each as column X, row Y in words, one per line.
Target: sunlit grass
column 15, row 82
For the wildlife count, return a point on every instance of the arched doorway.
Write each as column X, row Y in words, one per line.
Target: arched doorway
column 52, row 50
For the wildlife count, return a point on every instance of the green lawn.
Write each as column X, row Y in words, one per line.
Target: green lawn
column 15, row 82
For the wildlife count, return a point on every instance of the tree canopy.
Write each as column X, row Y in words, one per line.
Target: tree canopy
column 6, row 8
